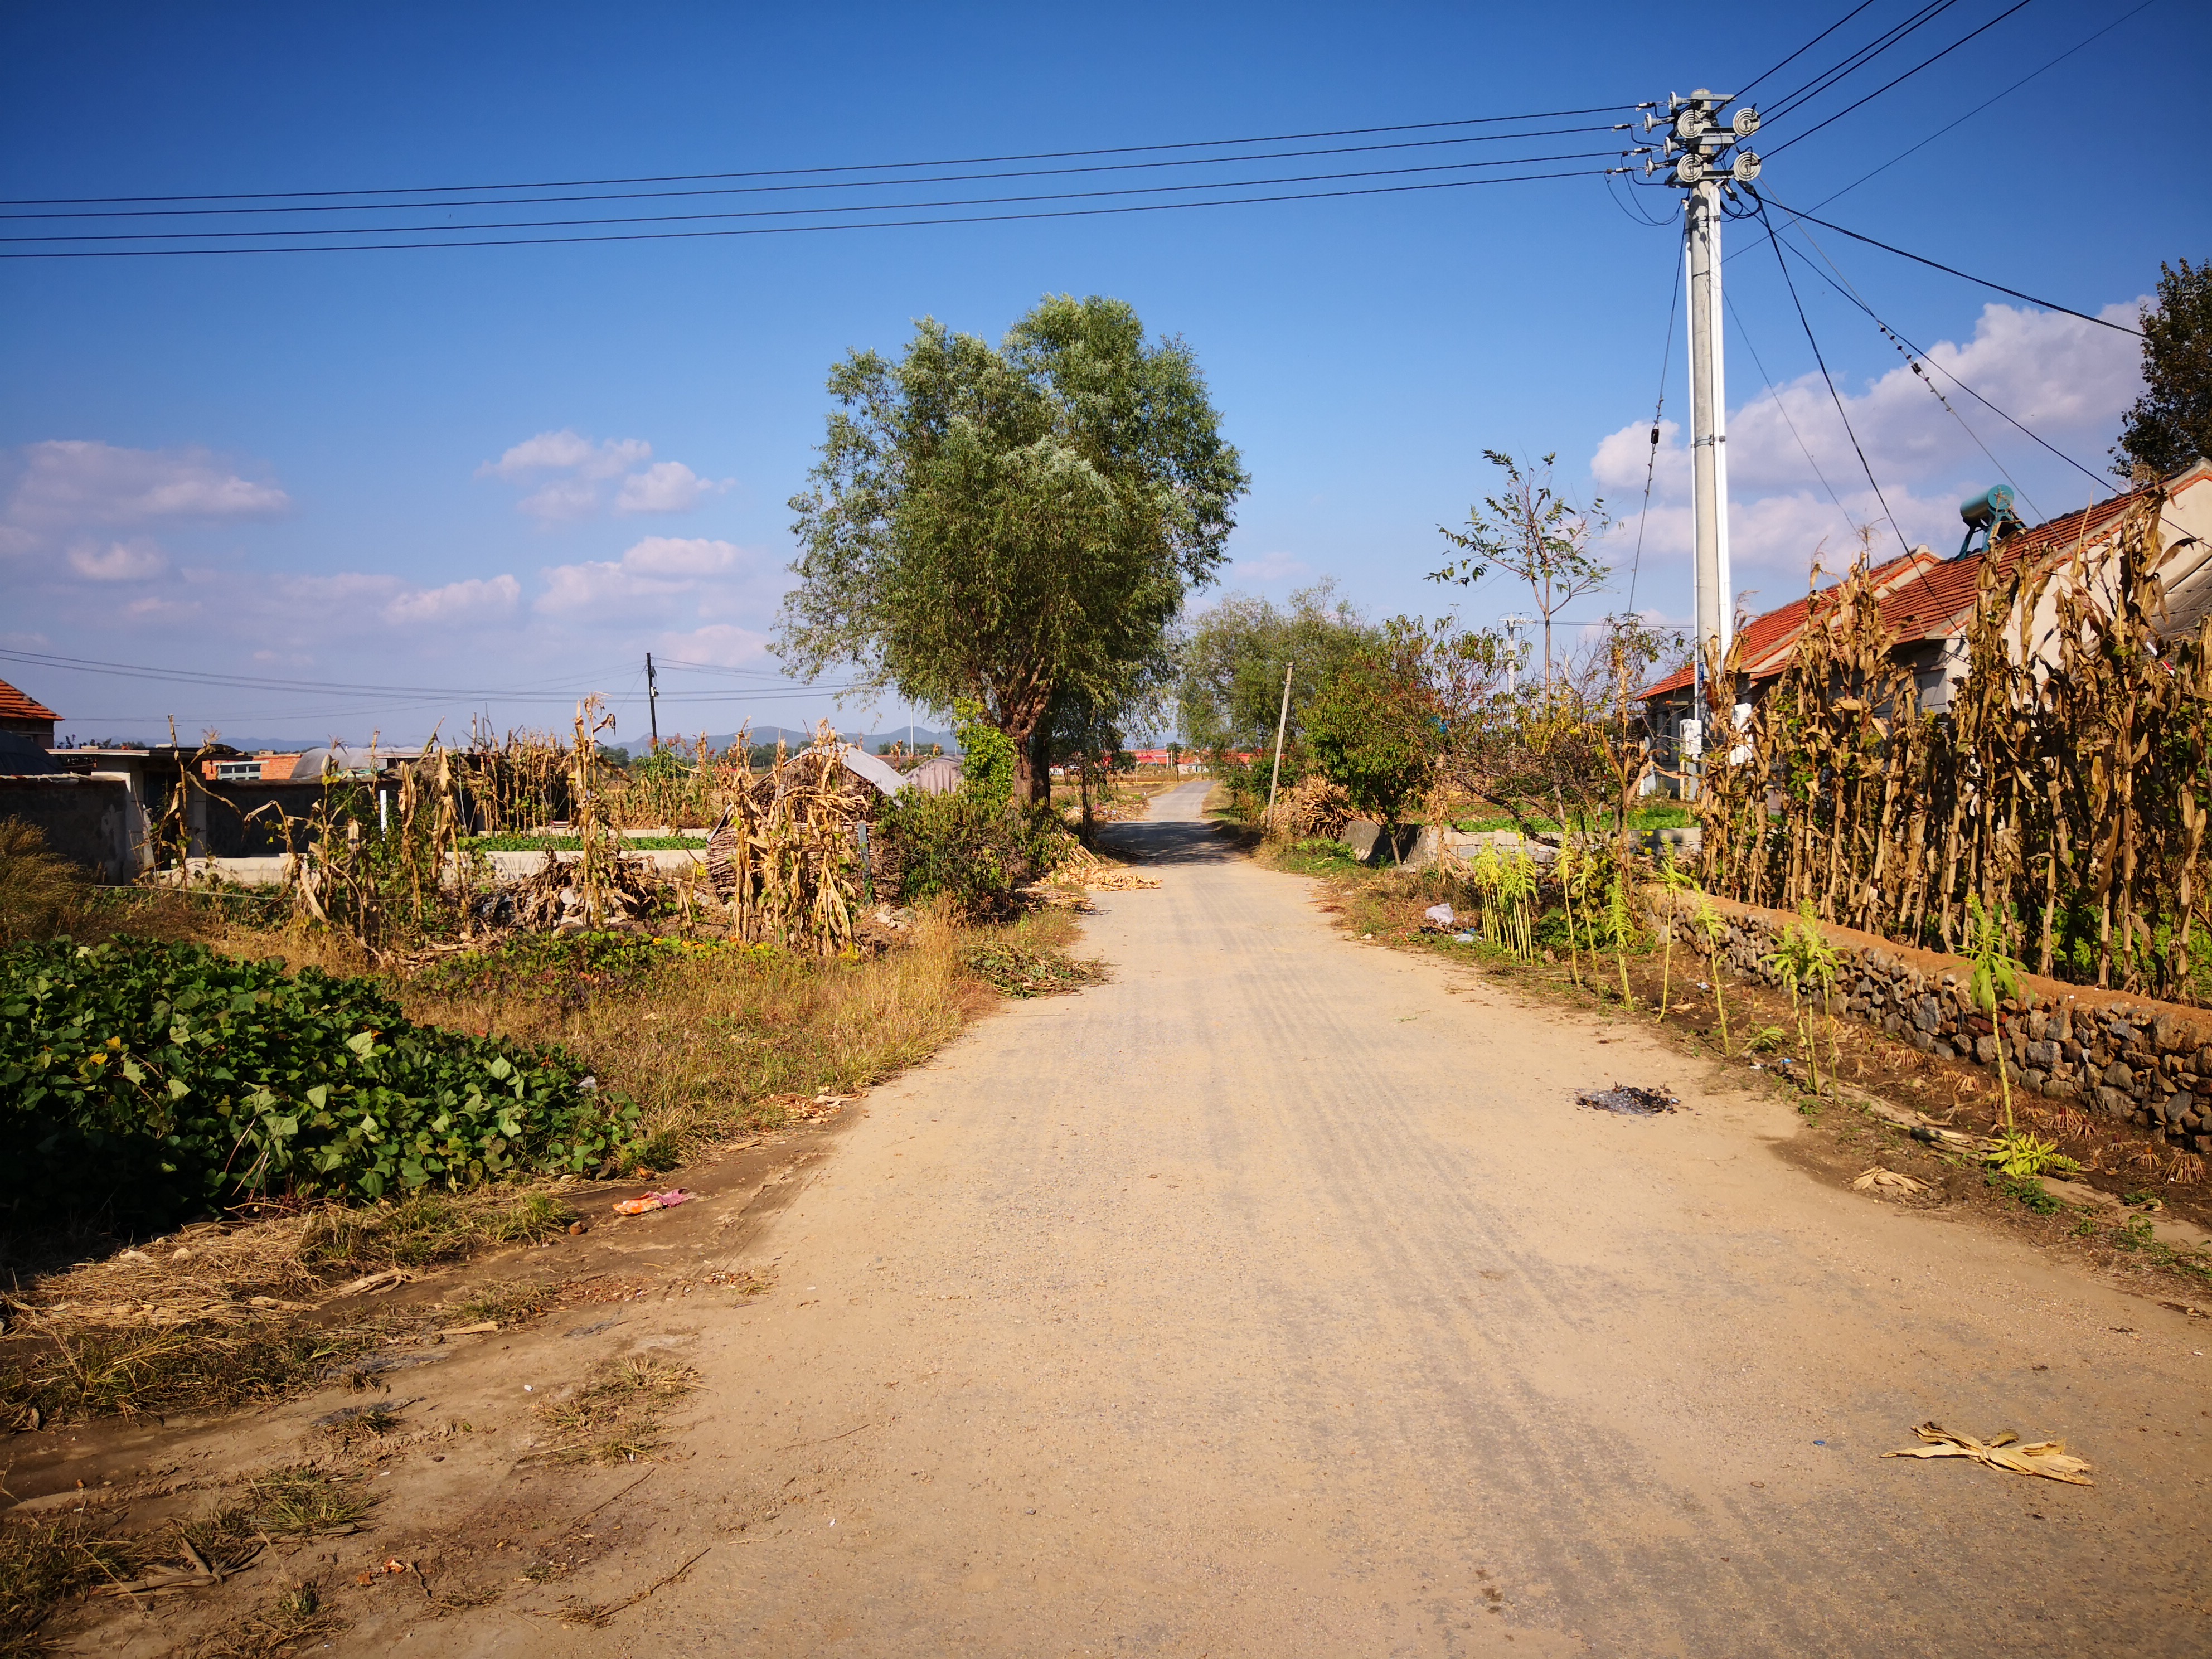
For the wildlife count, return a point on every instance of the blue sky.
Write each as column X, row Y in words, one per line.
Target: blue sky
column 511, row 471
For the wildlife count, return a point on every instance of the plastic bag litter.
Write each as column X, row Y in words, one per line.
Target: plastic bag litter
column 1441, row 914
column 1881, row 1180
column 2046, row 1458
column 1628, row 1100
column 667, row 1200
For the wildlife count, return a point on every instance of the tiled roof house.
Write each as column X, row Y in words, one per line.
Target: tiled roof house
column 26, row 714
column 1928, row 601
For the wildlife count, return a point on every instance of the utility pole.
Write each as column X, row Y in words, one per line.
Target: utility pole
column 1694, row 156
column 1282, row 724
column 1513, row 625
column 652, row 702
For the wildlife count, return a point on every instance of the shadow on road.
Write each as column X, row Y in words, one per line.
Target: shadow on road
column 1171, row 840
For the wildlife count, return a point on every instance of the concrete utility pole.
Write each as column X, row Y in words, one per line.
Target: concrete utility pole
column 1282, row 724
column 1513, row 625
column 1693, row 154
column 652, row 702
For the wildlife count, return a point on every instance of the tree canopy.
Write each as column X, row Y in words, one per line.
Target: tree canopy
column 1231, row 689
column 1018, row 524
column 2171, row 425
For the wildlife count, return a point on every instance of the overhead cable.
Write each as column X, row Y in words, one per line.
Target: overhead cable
column 1953, row 270
column 1855, row 61
column 792, row 172
column 1850, row 292
column 1834, row 396
column 1984, row 104
column 794, row 230
column 1907, row 76
column 1801, row 51
column 829, row 184
column 805, row 212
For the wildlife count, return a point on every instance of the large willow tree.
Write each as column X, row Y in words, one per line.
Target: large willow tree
column 1019, row 524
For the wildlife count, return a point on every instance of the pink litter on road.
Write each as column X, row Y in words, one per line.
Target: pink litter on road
column 667, row 1200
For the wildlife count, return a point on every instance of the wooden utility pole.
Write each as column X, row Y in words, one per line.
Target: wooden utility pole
column 652, row 702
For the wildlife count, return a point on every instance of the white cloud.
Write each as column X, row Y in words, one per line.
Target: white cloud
column 585, row 466
column 561, row 500
column 475, row 600
column 665, row 487
column 1268, row 568
column 566, row 451
column 723, row 644
column 2067, row 379
column 657, row 567
column 72, row 482
column 136, row 561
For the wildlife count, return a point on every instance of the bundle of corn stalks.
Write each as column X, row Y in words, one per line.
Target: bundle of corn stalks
column 1312, row 808
column 789, row 855
column 2065, row 789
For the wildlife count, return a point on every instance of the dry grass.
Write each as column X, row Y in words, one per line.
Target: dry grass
column 43, row 1562
column 284, row 1626
column 704, row 1047
column 38, row 889
column 616, row 1417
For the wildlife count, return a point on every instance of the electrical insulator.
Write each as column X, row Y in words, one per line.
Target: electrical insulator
column 1745, row 168
column 1745, row 122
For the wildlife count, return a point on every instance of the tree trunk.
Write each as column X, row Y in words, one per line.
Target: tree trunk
column 1033, row 763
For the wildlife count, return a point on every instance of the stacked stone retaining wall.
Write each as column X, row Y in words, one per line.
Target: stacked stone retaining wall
column 2126, row 1057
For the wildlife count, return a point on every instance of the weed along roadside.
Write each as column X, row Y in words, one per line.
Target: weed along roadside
column 289, row 1194
column 1881, row 1049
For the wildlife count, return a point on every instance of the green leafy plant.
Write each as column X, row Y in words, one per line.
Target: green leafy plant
column 2023, row 1157
column 163, row 1079
column 1713, row 928
column 1805, row 962
column 1998, row 979
column 1767, row 1040
column 1674, row 880
column 1621, row 932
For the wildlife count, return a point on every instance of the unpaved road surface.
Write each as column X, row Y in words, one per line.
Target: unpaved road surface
column 1276, row 1298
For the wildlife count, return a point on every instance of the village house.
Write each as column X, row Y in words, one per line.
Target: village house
column 1927, row 601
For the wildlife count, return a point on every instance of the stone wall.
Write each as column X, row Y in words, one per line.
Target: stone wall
column 2127, row 1057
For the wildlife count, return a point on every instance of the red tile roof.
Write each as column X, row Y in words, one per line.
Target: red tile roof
column 14, row 705
column 1921, row 596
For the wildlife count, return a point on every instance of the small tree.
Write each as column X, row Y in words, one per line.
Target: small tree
column 1374, row 729
column 1535, row 534
column 2171, row 425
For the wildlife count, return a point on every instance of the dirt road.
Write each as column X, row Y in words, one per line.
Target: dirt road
column 1276, row 1298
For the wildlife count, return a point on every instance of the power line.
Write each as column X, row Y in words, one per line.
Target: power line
column 1834, row 396
column 1775, row 392
column 1952, row 270
column 1651, row 465
column 794, row 230
column 790, row 172
column 1806, row 48
column 802, row 212
column 1984, row 104
column 839, row 184
column 1851, row 293
column 1853, row 62
column 1907, row 76
column 254, row 682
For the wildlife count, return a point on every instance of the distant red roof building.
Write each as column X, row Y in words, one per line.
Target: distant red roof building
column 26, row 714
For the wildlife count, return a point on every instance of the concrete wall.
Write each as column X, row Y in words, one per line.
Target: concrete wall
column 94, row 822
